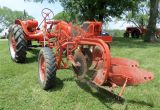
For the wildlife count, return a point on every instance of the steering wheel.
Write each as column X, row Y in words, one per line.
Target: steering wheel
column 47, row 13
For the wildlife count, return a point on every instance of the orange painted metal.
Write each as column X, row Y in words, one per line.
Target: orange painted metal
column 36, row 35
column 123, row 88
column 124, row 62
column 123, row 69
column 135, row 76
column 32, row 23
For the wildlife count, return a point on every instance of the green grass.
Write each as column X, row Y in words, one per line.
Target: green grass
column 19, row 88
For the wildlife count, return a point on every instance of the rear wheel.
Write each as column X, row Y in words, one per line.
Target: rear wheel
column 17, row 44
column 135, row 34
column 46, row 68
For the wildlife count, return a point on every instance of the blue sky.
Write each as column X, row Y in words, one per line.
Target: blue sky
column 34, row 9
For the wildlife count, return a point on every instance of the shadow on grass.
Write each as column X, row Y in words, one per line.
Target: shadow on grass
column 58, row 85
column 140, row 103
column 106, row 98
column 69, row 79
column 131, row 43
column 34, row 57
column 102, row 97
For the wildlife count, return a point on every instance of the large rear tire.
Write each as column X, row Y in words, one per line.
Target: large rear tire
column 46, row 68
column 137, row 35
column 17, row 44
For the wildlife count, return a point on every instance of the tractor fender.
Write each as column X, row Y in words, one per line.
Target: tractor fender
column 23, row 25
column 139, row 30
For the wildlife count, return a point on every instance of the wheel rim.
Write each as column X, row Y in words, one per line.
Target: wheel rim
column 42, row 68
column 13, row 46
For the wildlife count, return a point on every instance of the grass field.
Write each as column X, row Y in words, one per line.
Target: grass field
column 19, row 88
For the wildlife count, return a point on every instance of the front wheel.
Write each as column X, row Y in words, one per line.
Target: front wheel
column 46, row 68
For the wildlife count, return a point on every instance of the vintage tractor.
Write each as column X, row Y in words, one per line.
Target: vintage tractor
column 84, row 47
column 137, row 32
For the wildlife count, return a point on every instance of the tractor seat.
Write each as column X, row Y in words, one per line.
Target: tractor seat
column 31, row 25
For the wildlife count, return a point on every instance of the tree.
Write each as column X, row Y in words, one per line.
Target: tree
column 96, row 9
column 159, row 15
column 50, row 1
column 7, row 16
column 63, row 16
column 140, row 17
column 151, row 28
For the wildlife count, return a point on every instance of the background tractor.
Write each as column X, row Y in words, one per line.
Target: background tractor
column 84, row 47
column 136, row 32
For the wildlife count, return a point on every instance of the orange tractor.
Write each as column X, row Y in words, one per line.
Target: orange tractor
column 84, row 47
